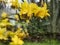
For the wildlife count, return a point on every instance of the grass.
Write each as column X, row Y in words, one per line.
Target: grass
column 51, row 42
column 47, row 42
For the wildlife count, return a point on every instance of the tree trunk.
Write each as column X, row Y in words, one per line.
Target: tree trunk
column 54, row 8
column 55, row 14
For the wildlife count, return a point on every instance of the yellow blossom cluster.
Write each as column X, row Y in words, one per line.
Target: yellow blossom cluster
column 15, row 3
column 32, row 8
column 28, row 10
column 8, row 30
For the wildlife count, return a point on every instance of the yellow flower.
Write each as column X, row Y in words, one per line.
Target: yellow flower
column 34, row 7
column 5, row 22
column 20, row 33
column 20, row 4
column 42, row 12
column 45, row 5
column 2, row 30
column 24, row 8
column 2, row 24
column 27, row 21
column 16, row 17
column 2, row 34
column 10, row 33
column 4, row 15
column 8, row 23
column 16, row 41
column 15, row 3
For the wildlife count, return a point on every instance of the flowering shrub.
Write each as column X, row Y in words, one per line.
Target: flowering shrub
column 28, row 10
column 14, row 33
column 7, row 30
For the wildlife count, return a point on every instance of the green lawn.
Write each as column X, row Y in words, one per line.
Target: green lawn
column 52, row 42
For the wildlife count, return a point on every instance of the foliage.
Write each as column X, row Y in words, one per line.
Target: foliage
column 37, row 29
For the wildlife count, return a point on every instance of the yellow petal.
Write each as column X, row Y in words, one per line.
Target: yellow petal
column 4, row 15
